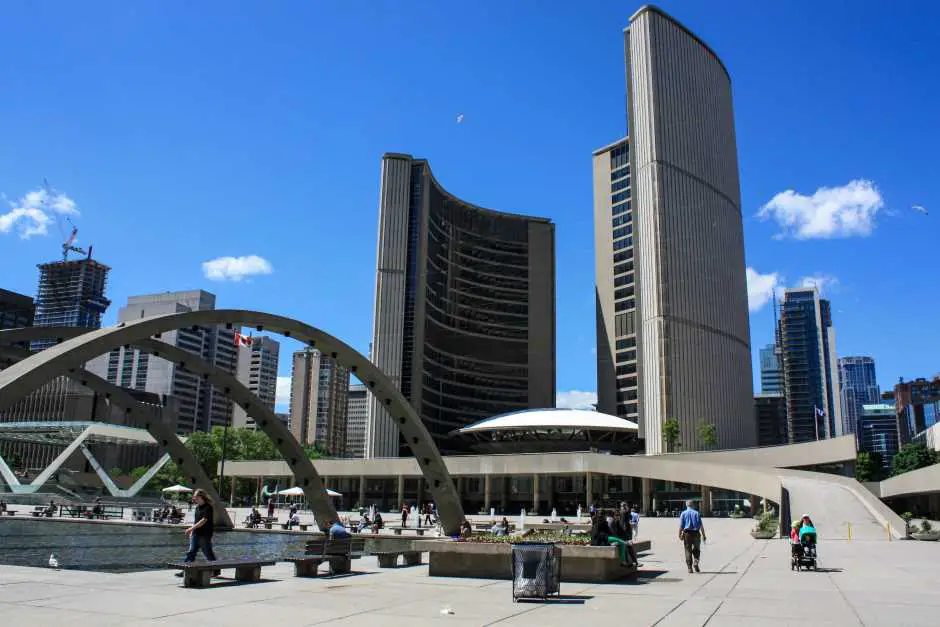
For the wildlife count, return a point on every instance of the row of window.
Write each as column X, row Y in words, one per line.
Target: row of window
column 616, row 186
column 624, row 305
column 623, row 256
column 623, row 243
column 620, row 208
column 626, row 369
column 620, row 156
column 615, row 198
column 623, row 268
column 626, row 395
column 623, row 279
column 621, row 220
column 623, row 292
column 619, row 172
column 622, row 231
column 625, row 356
column 628, row 342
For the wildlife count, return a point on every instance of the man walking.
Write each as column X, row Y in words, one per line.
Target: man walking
column 691, row 534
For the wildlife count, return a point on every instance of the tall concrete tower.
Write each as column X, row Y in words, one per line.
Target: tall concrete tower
column 687, row 309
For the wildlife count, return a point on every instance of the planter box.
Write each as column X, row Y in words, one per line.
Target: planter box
column 763, row 535
column 926, row 536
column 589, row 564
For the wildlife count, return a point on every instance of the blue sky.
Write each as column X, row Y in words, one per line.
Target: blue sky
column 188, row 133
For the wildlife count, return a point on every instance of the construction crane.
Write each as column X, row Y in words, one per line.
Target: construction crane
column 69, row 244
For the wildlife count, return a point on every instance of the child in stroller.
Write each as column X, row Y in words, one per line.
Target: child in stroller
column 802, row 546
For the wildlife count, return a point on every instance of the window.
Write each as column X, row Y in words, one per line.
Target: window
column 623, row 279
column 626, row 343
column 623, row 256
column 621, row 220
column 620, row 208
column 624, row 324
column 619, row 196
column 620, row 156
column 623, row 267
column 623, row 292
column 620, row 172
column 624, row 305
column 616, row 186
column 626, row 369
column 623, row 243
column 622, row 231
column 626, row 356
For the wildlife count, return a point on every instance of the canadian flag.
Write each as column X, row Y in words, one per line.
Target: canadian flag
column 242, row 340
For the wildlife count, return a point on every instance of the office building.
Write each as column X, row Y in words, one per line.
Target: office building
column 464, row 307
column 201, row 405
column 770, row 413
column 917, row 407
column 771, row 371
column 16, row 310
column 257, row 370
column 878, row 432
column 672, row 196
column 615, row 287
column 858, row 387
column 811, row 375
column 357, row 419
column 70, row 294
column 318, row 402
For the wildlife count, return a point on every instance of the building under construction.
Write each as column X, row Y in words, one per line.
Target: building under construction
column 71, row 294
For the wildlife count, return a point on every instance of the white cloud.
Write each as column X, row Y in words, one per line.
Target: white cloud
column 31, row 214
column 825, row 283
column 845, row 211
column 282, row 394
column 760, row 288
column 576, row 399
column 236, row 268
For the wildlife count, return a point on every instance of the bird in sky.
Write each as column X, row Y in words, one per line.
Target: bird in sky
column 459, row 118
column 919, row 208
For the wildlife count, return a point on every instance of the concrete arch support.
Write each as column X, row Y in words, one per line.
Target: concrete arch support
column 18, row 380
column 136, row 414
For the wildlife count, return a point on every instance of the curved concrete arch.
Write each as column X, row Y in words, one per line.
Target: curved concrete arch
column 290, row 449
column 136, row 413
column 19, row 379
column 303, row 469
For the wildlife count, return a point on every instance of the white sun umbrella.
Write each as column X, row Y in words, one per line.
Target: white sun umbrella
column 298, row 491
column 177, row 489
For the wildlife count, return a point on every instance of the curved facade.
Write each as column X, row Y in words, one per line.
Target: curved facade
column 694, row 358
column 464, row 307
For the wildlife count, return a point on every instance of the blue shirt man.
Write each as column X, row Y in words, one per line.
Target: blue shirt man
column 691, row 534
column 337, row 530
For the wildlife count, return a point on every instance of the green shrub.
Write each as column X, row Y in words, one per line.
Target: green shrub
column 552, row 537
column 925, row 525
column 767, row 522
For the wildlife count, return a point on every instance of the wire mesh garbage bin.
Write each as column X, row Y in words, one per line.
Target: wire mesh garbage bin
column 536, row 570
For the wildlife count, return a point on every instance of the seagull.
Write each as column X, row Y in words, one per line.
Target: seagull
column 459, row 118
column 919, row 208
column 53, row 562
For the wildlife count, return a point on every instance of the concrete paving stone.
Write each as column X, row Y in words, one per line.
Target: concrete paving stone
column 835, row 610
column 25, row 591
column 13, row 614
column 136, row 605
column 899, row 616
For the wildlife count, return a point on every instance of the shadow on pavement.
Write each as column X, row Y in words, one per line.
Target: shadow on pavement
column 564, row 599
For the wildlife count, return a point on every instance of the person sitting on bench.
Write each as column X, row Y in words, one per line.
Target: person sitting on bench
column 338, row 531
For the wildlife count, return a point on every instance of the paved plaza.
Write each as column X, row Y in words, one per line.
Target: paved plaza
column 744, row 582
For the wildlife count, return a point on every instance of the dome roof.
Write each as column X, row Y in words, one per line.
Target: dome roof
column 552, row 419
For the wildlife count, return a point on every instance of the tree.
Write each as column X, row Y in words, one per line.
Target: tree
column 115, row 472
column 671, row 434
column 911, row 457
column 203, row 447
column 708, row 433
column 869, row 466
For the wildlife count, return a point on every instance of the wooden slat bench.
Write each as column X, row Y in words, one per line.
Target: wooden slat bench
column 199, row 574
column 389, row 559
column 337, row 553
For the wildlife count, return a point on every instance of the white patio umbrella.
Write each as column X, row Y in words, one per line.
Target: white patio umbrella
column 177, row 489
column 298, row 491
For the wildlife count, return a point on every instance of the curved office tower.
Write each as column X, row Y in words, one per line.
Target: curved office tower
column 694, row 353
column 464, row 307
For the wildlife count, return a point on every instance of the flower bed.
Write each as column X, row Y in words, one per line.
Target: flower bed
column 547, row 537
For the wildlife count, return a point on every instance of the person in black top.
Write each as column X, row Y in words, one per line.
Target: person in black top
column 200, row 534
column 600, row 530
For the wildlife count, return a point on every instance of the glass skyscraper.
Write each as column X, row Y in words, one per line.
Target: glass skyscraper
column 857, row 387
column 811, row 375
column 878, row 432
column 771, row 371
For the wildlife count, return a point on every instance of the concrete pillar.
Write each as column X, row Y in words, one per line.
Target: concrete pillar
column 588, row 490
column 231, row 498
column 706, row 506
column 551, row 492
column 487, row 493
column 401, row 490
column 362, row 492
column 504, row 497
column 535, row 494
column 646, row 495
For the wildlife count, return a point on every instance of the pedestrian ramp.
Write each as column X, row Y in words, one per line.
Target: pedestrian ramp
column 837, row 511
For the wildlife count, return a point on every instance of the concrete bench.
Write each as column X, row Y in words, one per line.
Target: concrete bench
column 199, row 574
column 337, row 552
column 389, row 559
column 10, row 512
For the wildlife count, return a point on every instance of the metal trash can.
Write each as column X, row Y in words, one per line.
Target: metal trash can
column 536, row 570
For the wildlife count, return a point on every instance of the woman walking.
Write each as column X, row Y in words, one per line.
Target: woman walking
column 200, row 534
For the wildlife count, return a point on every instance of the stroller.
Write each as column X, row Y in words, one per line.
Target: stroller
column 804, row 554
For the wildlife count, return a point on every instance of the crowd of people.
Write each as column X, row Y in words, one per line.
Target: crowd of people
column 615, row 527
